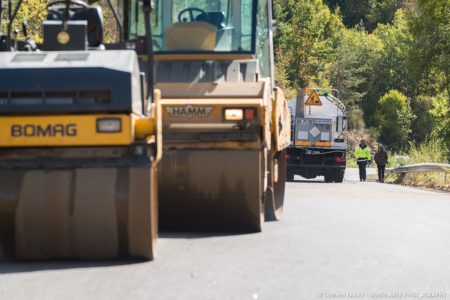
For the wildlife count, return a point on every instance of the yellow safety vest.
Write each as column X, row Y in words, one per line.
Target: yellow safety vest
column 361, row 153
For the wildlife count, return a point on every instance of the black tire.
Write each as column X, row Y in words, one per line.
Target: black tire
column 290, row 176
column 329, row 178
column 275, row 192
column 339, row 177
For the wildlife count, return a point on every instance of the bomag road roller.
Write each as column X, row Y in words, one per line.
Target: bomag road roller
column 80, row 139
column 225, row 124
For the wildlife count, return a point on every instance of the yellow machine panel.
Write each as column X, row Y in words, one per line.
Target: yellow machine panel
column 82, row 130
column 206, row 110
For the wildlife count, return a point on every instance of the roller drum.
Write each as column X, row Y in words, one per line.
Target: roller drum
column 211, row 190
column 274, row 201
column 86, row 213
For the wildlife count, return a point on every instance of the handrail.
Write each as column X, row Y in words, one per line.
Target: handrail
column 337, row 102
column 421, row 168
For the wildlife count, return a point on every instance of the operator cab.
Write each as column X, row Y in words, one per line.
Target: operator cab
column 93, row 16
column 73, row 25
column 218, row 27
column 201, row 26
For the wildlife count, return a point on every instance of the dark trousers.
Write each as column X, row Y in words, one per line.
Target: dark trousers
column 381, row 170
column 362, row 170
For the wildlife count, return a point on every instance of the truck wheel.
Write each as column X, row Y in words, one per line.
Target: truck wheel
column 329, row 178
column 339, row 177
column 290, row 176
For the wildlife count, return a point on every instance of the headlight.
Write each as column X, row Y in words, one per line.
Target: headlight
column 110, row 125
column 234, row 114
column 238, row 114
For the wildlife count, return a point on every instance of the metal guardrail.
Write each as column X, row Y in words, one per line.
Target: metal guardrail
column 421, row 168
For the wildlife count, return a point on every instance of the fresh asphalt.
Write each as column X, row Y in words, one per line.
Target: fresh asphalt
column 336, row 241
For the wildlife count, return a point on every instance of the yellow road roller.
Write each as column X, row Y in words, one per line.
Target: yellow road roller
column 80, row 139
column 226, row 125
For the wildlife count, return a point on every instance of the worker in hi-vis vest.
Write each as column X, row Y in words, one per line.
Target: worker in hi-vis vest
column 363, row 156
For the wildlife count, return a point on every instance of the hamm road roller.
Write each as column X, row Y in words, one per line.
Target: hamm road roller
column 225, row 124
column 80, row 139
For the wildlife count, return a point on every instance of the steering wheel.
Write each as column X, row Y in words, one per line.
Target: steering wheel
column 191, row 11
column 67, row 13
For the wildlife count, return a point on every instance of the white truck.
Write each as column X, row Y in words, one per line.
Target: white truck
column 319, row 135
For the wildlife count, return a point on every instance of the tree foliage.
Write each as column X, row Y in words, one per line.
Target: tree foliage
column 376, row 51
column 394, row 118
column 355, row 54
column 32, row 11
column 430, row 56
column 389, row 69
column 367, row 12
column 304, row 36
column 441, row 114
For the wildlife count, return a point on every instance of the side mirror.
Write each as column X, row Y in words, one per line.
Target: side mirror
column 344, row 123
column 341, row 123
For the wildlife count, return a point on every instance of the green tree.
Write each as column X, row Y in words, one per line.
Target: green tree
column 429, row 59
column 35, row 12
column 424, row 124
column 32, row 11
column 428, row 65
column 303, row 42
column 351, row 72
column 353, row 11
column 378, row 53
column 367, row 12
column 383, row 12
column 396, row 40
column 395, row 117
column 441, row 114
column 389, row 69
column 355, row 117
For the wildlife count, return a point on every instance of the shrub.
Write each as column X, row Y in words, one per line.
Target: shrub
column 355, row 118
column 395, row 117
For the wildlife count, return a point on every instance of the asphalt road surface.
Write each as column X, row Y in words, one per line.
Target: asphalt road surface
column 336, row 241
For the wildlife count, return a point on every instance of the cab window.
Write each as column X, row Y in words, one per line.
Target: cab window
column 199, row 25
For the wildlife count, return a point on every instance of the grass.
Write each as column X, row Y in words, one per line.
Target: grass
column 430, row 151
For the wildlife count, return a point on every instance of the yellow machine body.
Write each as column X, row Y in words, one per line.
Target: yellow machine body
column 221, row 174
column 80, row 136
column 70, row 191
